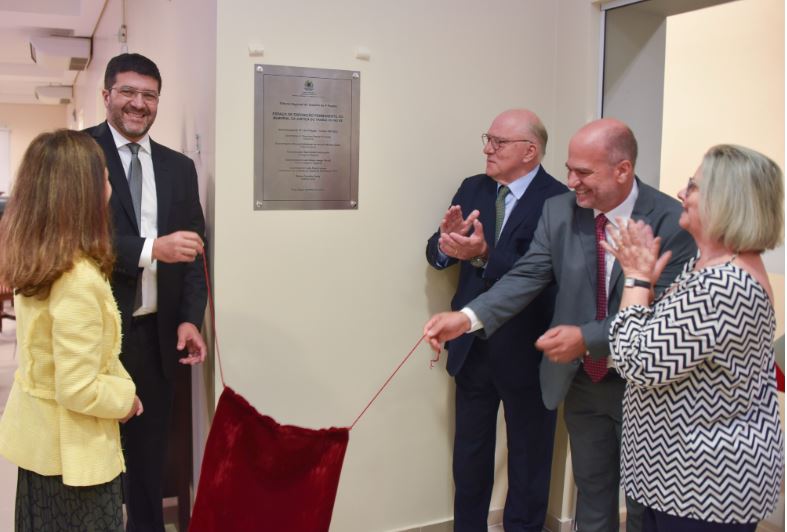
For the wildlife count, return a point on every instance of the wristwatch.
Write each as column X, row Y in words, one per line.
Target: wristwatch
column 633, row 281
column 479, row 261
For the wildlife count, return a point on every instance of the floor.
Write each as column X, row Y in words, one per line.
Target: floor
column 7, row 469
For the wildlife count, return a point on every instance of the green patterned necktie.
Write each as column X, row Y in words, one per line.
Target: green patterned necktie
column 500, row 210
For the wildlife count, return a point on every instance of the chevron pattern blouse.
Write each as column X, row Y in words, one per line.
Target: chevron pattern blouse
column 701, row 431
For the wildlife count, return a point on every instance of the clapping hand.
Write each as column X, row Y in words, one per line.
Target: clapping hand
column 637, row 250
column 456, row 241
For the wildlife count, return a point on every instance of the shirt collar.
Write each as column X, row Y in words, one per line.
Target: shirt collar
column 121, row 141
column 520, row 184
column 623, row 210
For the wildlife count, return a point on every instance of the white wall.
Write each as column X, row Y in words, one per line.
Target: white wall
column 316, row 308
column 25, row 122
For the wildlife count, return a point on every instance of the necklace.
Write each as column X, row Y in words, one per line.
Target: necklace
column 686, row 276
column 713, row 261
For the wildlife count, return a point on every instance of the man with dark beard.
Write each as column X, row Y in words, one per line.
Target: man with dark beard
column 159, row 287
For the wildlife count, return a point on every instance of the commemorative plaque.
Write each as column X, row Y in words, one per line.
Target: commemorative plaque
column 305, row 138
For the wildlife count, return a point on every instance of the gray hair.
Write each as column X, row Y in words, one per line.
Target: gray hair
column 540, row 132
column 742, row 198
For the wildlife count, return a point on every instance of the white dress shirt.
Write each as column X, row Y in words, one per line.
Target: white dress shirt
column 149, row 216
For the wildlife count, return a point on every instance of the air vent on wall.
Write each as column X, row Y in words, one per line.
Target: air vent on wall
column 62, row 53
column 54, row 94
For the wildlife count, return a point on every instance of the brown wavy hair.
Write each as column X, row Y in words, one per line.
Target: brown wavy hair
column 58, row 212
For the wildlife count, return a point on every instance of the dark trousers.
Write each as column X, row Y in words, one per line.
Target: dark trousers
column 656, row 521
column 486, row 379
column 594, row 415
column 145, row 437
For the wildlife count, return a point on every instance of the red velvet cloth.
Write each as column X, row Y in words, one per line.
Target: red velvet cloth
column 258, row 475
column 779, row 379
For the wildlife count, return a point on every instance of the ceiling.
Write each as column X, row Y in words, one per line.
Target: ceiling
column 21, row 20
column 667, row 8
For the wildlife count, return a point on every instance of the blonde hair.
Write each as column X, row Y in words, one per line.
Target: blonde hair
column 742, row 198
column 58, row 211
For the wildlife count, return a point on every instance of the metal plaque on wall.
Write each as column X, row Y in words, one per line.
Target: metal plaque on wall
column 305, row 138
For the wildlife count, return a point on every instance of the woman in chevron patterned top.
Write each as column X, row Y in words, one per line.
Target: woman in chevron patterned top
column 702, row 443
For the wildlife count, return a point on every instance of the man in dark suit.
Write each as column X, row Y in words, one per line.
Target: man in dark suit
column 159, row 287
column 488, row 227
column 600, row 167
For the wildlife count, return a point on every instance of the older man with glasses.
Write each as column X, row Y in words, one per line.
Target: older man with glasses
column 487, row 228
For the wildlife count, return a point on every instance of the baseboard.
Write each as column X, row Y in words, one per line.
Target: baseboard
column 766, row 526
column 556, row 524
column 552, row 524
column 495, row 517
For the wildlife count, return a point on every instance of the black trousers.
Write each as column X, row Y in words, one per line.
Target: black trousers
column 145, row 437
column 656, row 521
column 486, row 379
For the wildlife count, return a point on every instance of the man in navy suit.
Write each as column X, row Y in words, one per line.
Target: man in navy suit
column 159, row 287
column 488, row 227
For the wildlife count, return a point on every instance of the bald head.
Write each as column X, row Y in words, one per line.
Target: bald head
column 601, row 157
column 517, row 142
column 613, row 137
column 525, row 124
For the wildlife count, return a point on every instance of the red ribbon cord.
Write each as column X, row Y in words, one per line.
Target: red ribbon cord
column 211, row 304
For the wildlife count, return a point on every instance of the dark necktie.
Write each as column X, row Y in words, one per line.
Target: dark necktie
column 135, row 182
column 500, row 210
column 597, row 369
column 135, row 186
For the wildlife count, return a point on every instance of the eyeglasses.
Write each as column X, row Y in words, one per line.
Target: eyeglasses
column 497, row 142
column 130, row 93
column 691, row 185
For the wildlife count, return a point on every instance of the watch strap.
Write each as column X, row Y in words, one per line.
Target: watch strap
column 633, row 281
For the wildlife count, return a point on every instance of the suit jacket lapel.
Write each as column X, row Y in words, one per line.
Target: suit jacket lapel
column 486, row 207
column 642, row 209
column 163, row 185
column 585, row 229
column 117, row 175
column 525, row 205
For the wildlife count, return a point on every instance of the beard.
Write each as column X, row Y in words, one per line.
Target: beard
column 131, row 123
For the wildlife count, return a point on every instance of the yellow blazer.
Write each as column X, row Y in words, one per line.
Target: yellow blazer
column 62, row 415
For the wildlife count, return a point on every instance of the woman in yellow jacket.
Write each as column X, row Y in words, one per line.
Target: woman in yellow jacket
column 60, row 424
